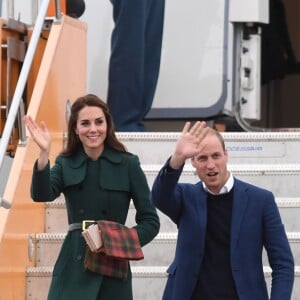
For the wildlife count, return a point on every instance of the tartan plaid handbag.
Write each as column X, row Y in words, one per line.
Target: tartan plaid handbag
column 119, row 245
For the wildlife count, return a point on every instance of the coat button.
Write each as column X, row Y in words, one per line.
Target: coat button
column 79, row 257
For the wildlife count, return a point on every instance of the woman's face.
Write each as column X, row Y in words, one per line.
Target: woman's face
column 91, row 129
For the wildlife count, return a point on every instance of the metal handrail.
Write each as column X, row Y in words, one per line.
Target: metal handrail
column 17, row 98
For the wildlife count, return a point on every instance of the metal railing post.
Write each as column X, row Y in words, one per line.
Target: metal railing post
column 58, row 9
column 15, row 104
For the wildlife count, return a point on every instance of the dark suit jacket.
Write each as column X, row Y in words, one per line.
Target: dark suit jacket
column 256, row 223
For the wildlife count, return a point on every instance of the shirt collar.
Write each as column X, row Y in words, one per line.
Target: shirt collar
column 225, row 189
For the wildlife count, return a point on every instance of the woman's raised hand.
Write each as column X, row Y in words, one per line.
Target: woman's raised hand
column 40, row 134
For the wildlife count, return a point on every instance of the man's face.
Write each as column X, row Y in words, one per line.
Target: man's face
column 211, row 164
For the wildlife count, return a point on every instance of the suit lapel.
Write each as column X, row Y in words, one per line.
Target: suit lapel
column 201, row 208
column 240, row 200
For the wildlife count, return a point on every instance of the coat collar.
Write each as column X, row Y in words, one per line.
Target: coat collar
column 80, row 157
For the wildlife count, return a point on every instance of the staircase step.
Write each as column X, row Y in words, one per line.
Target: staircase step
column 148, row 282
column 268, row 176
column 289, row 211
column 45, row 248
column 243, row 147
column 56, row 215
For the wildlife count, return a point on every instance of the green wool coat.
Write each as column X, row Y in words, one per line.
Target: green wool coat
column 94, row 190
